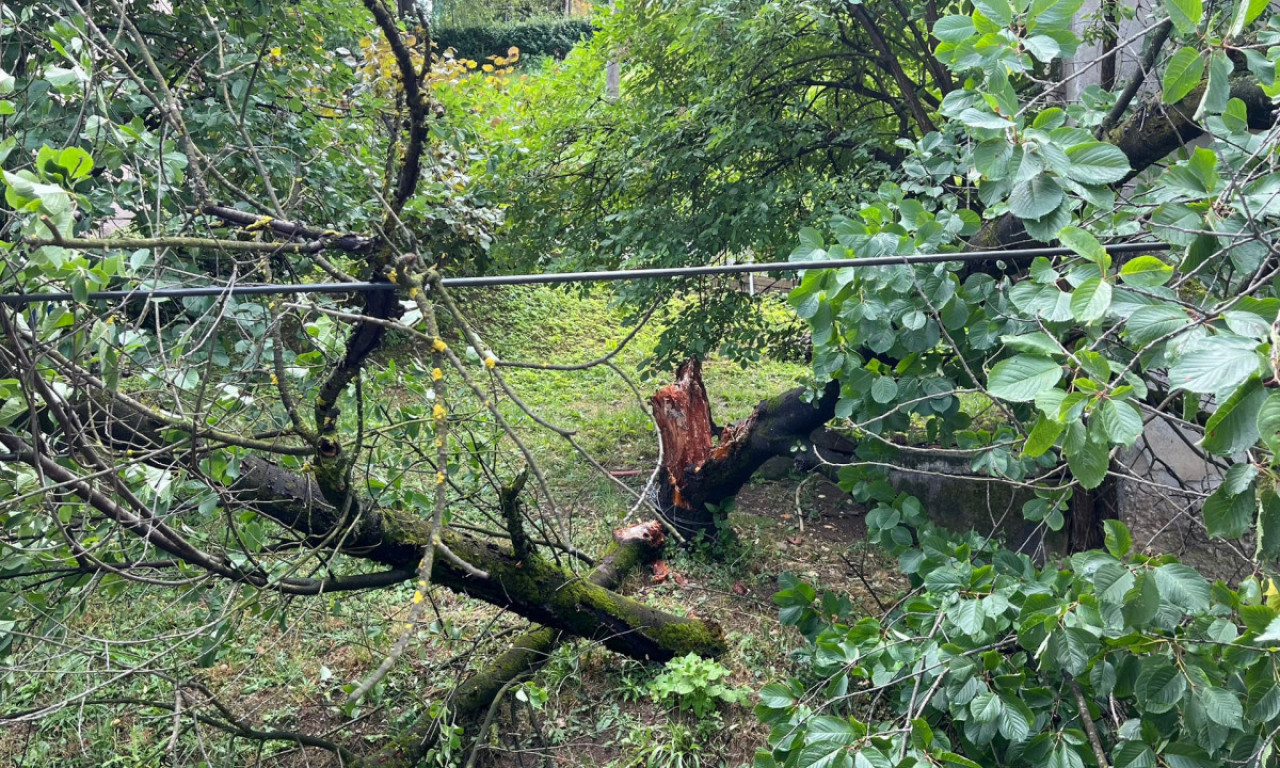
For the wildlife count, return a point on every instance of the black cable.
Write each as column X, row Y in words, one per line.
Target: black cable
column 579, row 277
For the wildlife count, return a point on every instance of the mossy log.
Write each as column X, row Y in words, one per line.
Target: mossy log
column 531, row 586
column 470, row 700
column 700, row 473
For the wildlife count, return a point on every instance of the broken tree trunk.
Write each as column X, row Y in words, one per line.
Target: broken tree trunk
column 470, row 700
column 699, row 473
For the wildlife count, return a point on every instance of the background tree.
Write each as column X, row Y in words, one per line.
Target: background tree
column 241, row 453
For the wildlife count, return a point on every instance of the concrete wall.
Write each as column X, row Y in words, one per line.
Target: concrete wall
column 1160, row 487
column 1088, row 25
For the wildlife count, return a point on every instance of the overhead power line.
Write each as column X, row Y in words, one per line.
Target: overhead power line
column 22, row 299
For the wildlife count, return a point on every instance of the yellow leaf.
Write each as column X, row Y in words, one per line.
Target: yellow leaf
column 276, row 52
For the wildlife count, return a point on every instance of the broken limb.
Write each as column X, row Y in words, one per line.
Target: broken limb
column 632, row 547
column 698, row 473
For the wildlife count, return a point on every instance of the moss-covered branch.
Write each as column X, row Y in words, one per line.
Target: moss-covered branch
column 531, row 586
column 632, row 547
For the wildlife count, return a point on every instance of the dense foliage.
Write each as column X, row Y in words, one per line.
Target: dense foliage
column 1114, row 657
column 532, row 38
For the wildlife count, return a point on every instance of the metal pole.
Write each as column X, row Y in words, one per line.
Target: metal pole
column 581, row 277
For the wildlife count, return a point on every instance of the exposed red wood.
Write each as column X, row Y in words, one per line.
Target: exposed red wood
column 683, row 415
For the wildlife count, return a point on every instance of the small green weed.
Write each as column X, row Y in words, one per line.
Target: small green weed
column 692, row 682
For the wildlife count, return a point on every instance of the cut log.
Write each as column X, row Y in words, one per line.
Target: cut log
column 700, row 473
column 470, row 700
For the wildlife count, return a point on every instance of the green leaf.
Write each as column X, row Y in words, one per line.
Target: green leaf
column 832, row 730
column 1052, row 15
column 1160, row 685
column 1121, row 421
column 823, row 754
column 967, row 615
column 1186, row 14
column 1020, row 379
column 1182, row 75
column 986, row 707
column 1238, row 479
column 1272, row 634
column 776, row 696
column 998, row 11
column 1211, row 367
column 1228, row 516
column 1218, row 91
column 1133, row 754
column 1118, row 540
column 1269, row 423
column 1268, row 524
column 952, row 758
column 1089, row 464
column 884, row 390
column 1142, row 603
column 1183, row 586
column 1257, row 618
column 1091, row 300
column 1096, row 162
column 1246, row 12
column 1154, row 321
column 1065, row 756
column 1111, row 582
column 1222, row 706
column 1042, row 437
column 1234, row 426
column 1035, row 198
column 975, row 118
column 1037, row 342
column 1016, row 719
column 1197, row 176
column 1043, row 47
column 1086, row 245
column 1072, row 647
column 1145, row 272
column 1188, row 756
column 1264, row 702
column 954, row 29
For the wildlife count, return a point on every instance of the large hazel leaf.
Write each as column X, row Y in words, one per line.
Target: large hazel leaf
column 1214, row 365
column 1021, row 378
column 1035, row 198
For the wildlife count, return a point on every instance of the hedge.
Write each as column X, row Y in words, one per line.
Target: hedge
column 538, row 38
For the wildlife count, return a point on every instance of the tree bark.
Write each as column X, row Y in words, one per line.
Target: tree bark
column 1150, row 134
column 531, row 586
column 698, row 473
column 469, row 701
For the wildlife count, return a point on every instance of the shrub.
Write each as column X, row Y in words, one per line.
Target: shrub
column 538, row 38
